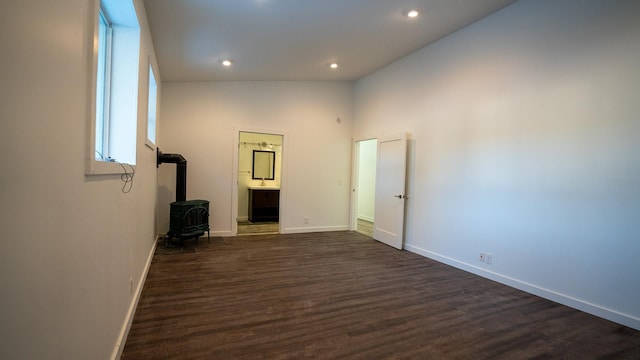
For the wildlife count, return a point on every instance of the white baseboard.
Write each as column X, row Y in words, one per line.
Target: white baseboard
column 242, row 218
column 222, row 233
column 563, row 299
column 124, row 332
column 298, row 230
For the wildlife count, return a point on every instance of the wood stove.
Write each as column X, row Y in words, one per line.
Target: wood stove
column 188, row 218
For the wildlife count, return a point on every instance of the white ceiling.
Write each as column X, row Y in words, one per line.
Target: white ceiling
column 298, row 39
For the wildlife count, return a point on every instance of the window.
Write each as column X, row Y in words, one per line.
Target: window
column 151, row 114
column 116, row 60
column 103, row 76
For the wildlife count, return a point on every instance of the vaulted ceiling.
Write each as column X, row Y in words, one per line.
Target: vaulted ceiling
column 298, row 39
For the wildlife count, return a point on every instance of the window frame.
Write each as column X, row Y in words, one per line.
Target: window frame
column 106, row 95
column 151, row 143
column 126, row 32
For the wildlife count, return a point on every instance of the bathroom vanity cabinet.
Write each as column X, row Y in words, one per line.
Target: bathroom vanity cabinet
column 264, row 204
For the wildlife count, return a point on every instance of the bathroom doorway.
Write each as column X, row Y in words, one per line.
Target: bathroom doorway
column 365, row 186
column 259, row 181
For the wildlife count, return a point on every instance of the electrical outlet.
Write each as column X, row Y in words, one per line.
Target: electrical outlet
column 488, row 259
column 483, row 257
column 306, row 220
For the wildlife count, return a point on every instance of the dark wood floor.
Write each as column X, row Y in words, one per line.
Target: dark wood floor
column 341, row 295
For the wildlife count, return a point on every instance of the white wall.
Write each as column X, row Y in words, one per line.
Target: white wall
column 525, row 146
column 201, row 122
column 70, row 242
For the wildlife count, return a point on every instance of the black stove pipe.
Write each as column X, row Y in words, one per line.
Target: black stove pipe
column 181, row 172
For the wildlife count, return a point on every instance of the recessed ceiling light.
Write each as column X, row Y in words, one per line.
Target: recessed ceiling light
column 413, row 13
column 227, row 62
column 333, row 66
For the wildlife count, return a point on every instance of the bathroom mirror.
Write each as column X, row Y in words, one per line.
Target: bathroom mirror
column 264, row 165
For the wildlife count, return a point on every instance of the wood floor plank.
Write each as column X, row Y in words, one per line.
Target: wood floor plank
column 342, row 295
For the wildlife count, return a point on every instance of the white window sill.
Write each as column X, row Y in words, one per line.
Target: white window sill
column 150, row 145
column 106, row 168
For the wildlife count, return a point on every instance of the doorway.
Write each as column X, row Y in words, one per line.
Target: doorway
column 365, row 186
column 259, row 180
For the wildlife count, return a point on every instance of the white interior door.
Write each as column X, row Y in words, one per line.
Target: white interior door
column 390, row 187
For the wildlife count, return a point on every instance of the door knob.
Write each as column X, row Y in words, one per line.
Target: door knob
column 399, row 196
